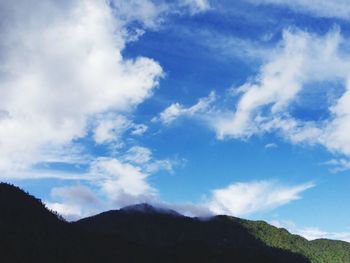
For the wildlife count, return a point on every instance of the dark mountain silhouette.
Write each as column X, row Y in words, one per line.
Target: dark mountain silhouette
column 148, row 209
column 142, row 233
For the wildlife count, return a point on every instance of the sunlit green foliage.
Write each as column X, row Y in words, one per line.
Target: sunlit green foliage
column 318, row 251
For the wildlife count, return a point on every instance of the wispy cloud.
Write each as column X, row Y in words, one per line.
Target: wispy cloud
column 176, row 110
column 271, row 146
column 265, row 101
column 318, row 8
column 240, row 199
column 196, row 6
column 338, row 165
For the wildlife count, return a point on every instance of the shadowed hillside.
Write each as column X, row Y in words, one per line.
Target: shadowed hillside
column 181, row 238
column 31, row 233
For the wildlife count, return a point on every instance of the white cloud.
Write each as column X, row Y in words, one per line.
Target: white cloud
column 67, row 211
column 311, row 233
column 109, row 129
column 63, row 78
column 146, row 12
column 196, row 6
column 264, row 106
column 129, row 174
column 338, row 165
column 143, row 157
column 301, row 62
column 117, row 178
column 190, row 209
column 138, row 155
column 225, row 46
column 115, row 183
column 176, row 110
column 171, row 113
column 319, row 8
column 75, row 202
column 166, row 165
column 61, row 67
column 240, row 199
column 139, row 129
column 271, row 146
column 79, row 193
column 302, row 58
column 151, row 14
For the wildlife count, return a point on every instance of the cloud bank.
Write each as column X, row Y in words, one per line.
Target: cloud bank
column 61, row 68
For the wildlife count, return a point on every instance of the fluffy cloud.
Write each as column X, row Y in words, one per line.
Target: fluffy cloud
column 63, row 78
column 118, row 178
column 61, row 67
column 320, row 8
column 109, row 129
column 110, row 183
column 113, row 184
column 240, row 199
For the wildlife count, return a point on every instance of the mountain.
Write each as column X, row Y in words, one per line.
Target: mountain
column 183, row 239
column 148, row 209
column 29, row 232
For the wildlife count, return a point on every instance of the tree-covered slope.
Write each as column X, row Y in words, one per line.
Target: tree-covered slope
column 318, row 251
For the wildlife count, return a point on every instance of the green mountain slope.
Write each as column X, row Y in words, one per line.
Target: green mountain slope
column 318, row 251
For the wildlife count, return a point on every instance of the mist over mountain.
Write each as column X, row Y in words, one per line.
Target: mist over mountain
column 29, row 232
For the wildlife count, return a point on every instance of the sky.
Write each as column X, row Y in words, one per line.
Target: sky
column 203, row 106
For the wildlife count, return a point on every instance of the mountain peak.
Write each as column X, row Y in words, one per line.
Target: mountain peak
column 146, row 208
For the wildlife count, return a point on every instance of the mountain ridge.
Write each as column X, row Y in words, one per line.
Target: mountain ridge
column 145, row 233
column 149, row 208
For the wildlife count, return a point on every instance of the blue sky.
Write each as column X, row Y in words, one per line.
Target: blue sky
column 207, row 107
